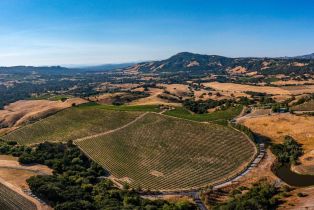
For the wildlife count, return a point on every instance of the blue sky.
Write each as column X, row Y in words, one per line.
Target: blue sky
column 53, row 32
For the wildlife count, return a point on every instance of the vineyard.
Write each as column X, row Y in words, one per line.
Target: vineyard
column 10, row 200
column 71, row 124
column 219, row 117
column 159, row 152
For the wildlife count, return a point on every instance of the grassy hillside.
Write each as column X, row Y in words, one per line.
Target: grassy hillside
column 142, row 108
column 218, row 117
column 71, row 124
column 164, row 153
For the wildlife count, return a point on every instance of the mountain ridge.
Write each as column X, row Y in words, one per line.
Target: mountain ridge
column 193, row 63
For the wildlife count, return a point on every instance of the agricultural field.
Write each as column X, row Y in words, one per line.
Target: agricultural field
column 71, row 124
column 160, row 152
column 10, row 200
column 218, row 117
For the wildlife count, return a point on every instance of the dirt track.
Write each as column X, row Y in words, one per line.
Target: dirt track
column 111, row 131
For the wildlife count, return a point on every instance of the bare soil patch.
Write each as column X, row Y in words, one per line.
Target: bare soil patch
column 156, row 173
column 14, row 176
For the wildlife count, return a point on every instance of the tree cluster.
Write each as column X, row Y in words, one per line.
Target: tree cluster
column 77, row 182
column 288, row 152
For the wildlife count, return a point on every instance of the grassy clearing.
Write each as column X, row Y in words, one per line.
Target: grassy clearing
column 141, row 108
column 164, row 153
column 71, row 124
column 219, row 117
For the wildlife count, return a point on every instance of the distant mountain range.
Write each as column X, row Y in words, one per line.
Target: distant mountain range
column 309, row 56
column 191, row 63
column 197, row 64
column 106, row 67
column 59, row 70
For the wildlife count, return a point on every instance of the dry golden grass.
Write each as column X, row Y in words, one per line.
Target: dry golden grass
column 193, row 63
column 106, row 98
column 279, row 125
column 133, row 70
column 276, row 127
column 292, row 82
column 298, row 64
column 204, row 95
column 300, row 89
column 153, row 99
column 281, row 98
column 14, row 173
column 16, row 177
column 232, row 87
column 237, row 70
column 177, row 89
column 20, row 112
column 254, row 73
column 8, row 157
column 108, row 85
column 265, row 65
column 286, row 90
